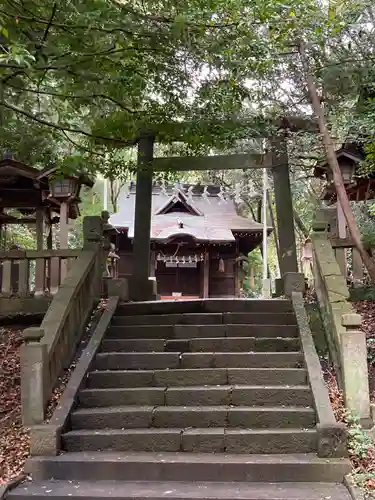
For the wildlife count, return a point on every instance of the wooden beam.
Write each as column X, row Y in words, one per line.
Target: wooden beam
column 217, row 162
column 15, row 220
column 18, row 202
column 206, row 275
column 38, row 254
column 40, row 265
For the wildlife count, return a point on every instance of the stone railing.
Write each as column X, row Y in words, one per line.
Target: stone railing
column 49, row 349
column 331, row 434
column 346, row 341
column 32, row 273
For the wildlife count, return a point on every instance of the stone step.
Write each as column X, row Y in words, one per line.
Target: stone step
column 235, row 395
column 126, row 417
column 112, row 466
column 126, row 490
column 193, row 440
column 233, row 344
column 103, row 379
column 204, row 306
column 199, row 331
column 170, row 360
column 255, row 318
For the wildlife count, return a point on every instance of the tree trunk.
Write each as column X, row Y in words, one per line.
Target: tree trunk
column 338, row 182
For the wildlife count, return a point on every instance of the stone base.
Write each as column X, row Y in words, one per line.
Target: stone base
column 142, row 290
column 45, row 440
column 117, row 288
column 279, row 287
column 293, row 282
column 332, row 440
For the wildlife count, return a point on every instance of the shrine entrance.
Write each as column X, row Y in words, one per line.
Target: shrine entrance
column 141, row 287
column 178, row 280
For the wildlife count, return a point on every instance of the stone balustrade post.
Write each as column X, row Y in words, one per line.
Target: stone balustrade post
column 354, row 368
column 93, row 240
column 34, row 376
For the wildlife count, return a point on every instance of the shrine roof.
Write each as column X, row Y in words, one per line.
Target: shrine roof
column 352, row 151
column 25, row 188
column 201, row 214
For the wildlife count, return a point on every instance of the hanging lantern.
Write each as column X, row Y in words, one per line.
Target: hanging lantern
column 221, row 266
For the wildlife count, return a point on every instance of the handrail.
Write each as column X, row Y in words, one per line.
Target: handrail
column 33, row 273
column 49, row 349
column 346, row 342
column 40, row 254
column 320, row 393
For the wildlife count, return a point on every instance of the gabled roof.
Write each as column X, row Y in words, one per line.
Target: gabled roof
column 177, row 198
column 30, row 185
column 14, row 167
column 85, row 179
column 348, row 150
column 211, row 220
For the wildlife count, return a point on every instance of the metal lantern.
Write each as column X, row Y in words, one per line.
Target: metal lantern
column 63, row 187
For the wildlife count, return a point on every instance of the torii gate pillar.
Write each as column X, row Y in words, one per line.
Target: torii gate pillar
column 141, row 287
column 284, row 207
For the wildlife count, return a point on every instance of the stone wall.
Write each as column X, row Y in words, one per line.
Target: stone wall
column 346, row 341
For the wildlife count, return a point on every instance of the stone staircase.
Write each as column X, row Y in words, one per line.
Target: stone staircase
column 187, row 400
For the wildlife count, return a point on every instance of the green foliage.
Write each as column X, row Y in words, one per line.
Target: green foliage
column 20, row 234
column 368, row 235
column 362, row 293
column 360, row 443
column 361, row 449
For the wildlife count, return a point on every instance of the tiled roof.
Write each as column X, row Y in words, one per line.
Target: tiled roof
column 217, row 223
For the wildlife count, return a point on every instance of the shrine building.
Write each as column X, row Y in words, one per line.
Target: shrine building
column 198, row 241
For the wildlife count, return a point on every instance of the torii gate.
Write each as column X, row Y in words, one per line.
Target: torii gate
column 140, row 286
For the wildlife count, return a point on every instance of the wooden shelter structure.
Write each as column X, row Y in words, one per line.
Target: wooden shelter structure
column 196, row 240
column 359, row 188
column 39, row 198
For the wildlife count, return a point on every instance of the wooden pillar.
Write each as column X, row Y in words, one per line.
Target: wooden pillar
column 140, row 288
column 152, row 263
column 64, row 238
column 39, row 227
column 206, row 275
column 50, row 229
column 40, row 264
column 340, row 252
column 284, row 207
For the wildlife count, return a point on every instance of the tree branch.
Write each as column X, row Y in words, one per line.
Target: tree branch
column 66, row 96
column 55, row 126
column 54, row 8
column 78, row 146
